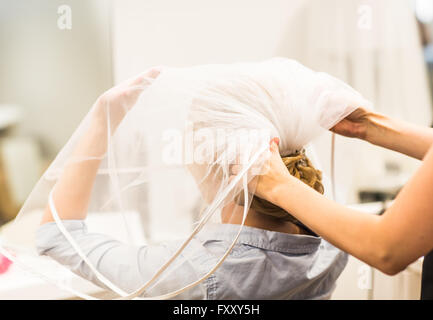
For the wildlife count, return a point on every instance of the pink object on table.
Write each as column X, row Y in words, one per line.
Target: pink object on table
column 4, row 264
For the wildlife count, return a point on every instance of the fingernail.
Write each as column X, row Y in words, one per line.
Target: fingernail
column 276, row 140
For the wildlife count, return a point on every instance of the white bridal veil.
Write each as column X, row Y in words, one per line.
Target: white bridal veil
column 165, row 157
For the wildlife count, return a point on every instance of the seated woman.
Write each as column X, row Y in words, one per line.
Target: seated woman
column 275, row 257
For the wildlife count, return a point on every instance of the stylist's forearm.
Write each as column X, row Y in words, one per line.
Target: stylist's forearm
column 331, row 221
column 399, row 136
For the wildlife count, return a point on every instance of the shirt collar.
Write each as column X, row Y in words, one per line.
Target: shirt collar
column 261, row 238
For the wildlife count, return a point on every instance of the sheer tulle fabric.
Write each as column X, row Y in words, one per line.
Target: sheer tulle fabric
column 167, row 161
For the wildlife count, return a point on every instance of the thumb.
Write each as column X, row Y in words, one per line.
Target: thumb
column 274, row 145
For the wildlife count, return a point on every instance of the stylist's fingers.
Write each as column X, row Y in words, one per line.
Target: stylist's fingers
column 354, row 125
column 275, row 142
column 271, row 156
column 263, row 163
column 260, row 175
column 274, row 172
column 132, row 87
column 154, row 72
column 149, row 76
column 235, row 169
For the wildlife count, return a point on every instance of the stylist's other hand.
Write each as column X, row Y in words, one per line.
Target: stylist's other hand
column 112, row 106
column 355, row 125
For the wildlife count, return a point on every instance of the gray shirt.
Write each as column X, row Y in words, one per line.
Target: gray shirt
column 262, row 265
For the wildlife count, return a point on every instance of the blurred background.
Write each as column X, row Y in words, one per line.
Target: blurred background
column 57, row 57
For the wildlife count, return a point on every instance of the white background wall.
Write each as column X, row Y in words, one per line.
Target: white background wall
column 53, row 75
column 190, row 32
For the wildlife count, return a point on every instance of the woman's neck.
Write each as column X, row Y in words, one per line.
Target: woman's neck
column 232, row 214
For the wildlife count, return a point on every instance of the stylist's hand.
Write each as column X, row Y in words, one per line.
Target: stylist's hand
column 273, row 175
column 112, row 106
column 355, row 125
